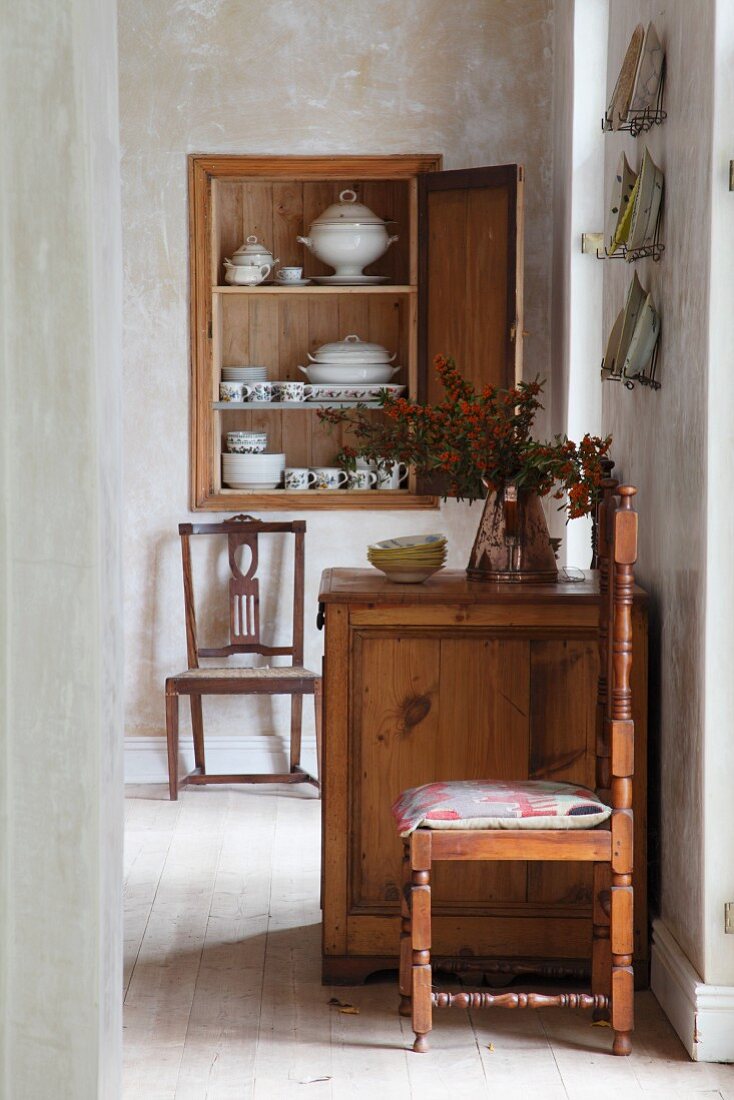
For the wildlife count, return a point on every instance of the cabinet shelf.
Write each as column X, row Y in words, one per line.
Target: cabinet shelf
column 317, row 499
column 308, row 291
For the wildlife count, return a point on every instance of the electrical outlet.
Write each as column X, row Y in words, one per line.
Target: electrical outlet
column 729, row 916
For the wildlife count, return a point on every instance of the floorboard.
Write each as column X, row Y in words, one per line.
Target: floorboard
column 224, row 999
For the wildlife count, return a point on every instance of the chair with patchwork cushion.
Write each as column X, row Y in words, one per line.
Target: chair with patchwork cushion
column 538, row 820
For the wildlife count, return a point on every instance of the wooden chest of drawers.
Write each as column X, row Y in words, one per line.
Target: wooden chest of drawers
column 459, row 680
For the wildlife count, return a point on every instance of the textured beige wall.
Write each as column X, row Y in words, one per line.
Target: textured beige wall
column 660, row 445
column 60, row 590
column 471, row 80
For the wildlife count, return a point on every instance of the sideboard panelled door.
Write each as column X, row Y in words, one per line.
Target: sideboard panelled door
column 470, row 263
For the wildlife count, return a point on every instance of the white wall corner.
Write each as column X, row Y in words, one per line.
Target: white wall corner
column 703, row 1015
column 146, row 760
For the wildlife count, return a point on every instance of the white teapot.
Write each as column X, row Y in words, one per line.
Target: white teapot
column 252, row 253
column 348, row 236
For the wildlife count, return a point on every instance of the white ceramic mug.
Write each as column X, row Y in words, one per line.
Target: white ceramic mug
column 361, row 479
column 290, row 275
column 298, row 478
column 391, row 479
column 328, row 477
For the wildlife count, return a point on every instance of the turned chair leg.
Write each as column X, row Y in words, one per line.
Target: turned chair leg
column 601, row 954
column 197, row 728
column 622, row 945
column 172, row 740
column 406, row 951
column 296, row 724
column 420, row 937
column 318, row 706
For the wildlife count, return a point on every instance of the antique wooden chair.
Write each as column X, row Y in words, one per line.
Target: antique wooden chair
column 244, row 627
column 431, row 821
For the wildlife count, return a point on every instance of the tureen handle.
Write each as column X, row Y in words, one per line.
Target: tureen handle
column 392, row 240
column 347, row 191
column 252, row 239
column 305, row 370
column 304, row 240
column 351, row 340
column 228, row 263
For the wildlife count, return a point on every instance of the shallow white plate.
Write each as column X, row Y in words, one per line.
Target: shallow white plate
column 408, row 540
column 636, row 296
column 649, row 71
column 291, row 282
column 350, row 280
column 622, row 188
column 647, row 204
column 643, row 339
column 257, row 485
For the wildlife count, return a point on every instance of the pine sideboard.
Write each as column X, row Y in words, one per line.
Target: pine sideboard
column 458, row 680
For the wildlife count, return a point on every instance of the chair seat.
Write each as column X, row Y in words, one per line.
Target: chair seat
column 288, row 672
column 498, row 804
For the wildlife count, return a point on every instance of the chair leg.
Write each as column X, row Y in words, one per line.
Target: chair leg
column 318, row 706
column 622, row 945
column 197, row 727
column 420, row 938
column 172, row 741
column 601, row 954
column 406, row 952
column 296, row 724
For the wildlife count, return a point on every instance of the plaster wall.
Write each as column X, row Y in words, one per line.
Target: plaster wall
column 660, row 444
column 472, row 81
column 60, row 590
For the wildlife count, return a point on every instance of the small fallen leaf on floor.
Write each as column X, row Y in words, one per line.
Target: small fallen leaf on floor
column 349, row 1010
column 490, row 1048
column 313, row 1080
column 336, row 1003
column 600, row 1023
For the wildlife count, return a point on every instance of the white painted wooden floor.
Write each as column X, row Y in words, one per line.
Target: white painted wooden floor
column 223, row 999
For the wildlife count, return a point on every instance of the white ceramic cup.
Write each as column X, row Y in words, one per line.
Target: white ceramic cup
column 328, row 477
column 298, row 478
column 391, row 479
column 289, row 275
column 361, row 479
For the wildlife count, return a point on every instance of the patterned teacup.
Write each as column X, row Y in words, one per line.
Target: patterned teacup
column 328, row 477
column 289, row 275
column 292, row 391
column 298, row 478
column 233, row 391
column 361, row 479
column 392, row 478
column 260, row 391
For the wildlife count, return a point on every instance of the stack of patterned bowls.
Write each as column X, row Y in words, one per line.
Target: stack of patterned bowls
column 409, row 559
column 253, row 471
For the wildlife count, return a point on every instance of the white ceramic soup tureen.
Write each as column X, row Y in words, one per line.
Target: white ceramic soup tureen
column 350, row 360
column 348, row 236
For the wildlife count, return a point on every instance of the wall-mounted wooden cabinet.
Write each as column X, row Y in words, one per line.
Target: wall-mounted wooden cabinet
column 455, row 287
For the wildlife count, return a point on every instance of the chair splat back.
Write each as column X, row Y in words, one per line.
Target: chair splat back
column 244, row 588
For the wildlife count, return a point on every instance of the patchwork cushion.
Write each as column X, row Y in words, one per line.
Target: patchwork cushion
column 496, row 804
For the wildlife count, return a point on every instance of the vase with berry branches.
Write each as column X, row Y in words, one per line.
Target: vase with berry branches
column 481, row 443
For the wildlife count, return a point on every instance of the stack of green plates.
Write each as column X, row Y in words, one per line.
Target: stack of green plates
column 410, row 558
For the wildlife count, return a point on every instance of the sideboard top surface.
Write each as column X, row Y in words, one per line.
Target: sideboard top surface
column 451, row 586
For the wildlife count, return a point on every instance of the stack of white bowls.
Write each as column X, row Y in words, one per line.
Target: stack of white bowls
column 253, row 471
column 350, row 360
column 249, row 375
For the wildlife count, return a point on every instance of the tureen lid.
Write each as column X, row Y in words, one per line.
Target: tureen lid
column 352, row 349
column 253, row 247
column 348, row 212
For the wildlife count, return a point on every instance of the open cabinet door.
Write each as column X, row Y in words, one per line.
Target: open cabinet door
column 470, row 265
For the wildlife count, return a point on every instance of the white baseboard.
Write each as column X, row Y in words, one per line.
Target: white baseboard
column 703, row 1015
column 146, row 760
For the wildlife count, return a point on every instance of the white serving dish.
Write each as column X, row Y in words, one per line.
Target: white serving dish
column 348, row 236
column 634, row 302
column 622, row 188
column 351, row 393
column 610, row 355
column 366, row 373
column 619, row 104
